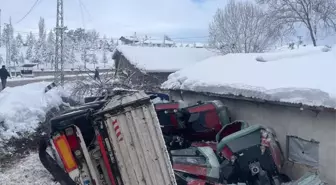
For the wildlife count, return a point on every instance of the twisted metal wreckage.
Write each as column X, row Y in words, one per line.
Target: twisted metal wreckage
column 137, row 138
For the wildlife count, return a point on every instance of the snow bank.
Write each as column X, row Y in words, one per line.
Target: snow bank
column 29, row 171
column 163, row 59
column 300, row 76
column 23, row 107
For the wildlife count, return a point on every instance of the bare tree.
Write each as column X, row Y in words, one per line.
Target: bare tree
column 242, row 27
column 85, row 84
column 316, row 15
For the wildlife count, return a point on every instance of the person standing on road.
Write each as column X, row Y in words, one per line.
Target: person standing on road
column 96, row 76
column 4, row 74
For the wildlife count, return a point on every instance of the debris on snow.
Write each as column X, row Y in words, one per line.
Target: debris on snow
column 304, row 76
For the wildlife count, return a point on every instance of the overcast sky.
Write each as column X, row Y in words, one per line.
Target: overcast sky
column 176, row 18
column 182, row 20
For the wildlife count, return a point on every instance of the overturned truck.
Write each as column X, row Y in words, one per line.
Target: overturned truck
column 122, row 139
column 115, row 142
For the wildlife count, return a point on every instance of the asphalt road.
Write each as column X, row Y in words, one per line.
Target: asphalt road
column 24, row 82
column 39, row 74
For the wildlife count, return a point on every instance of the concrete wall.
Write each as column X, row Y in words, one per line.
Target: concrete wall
column 285, row 120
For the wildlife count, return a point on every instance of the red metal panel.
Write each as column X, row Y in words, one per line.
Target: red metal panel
column 166, row 106
column 105, row 158
column 202, row 108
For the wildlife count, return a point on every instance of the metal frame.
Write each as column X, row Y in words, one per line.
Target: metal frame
column 305, row 140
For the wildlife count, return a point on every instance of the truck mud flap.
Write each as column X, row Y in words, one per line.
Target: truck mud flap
column 51, row 165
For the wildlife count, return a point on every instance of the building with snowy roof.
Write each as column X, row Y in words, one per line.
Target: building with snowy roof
column 158, row 43
column 294, row 92
column 150, row 66
column 128, row 40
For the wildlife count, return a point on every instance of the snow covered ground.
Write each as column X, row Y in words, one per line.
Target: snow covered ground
column 67, row 66
column 28, row 171
column 23, row 107
column 305, row 75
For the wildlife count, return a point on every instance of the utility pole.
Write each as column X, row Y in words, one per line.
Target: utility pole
column 164, row 40
column 134, row 36
column 59, row 58
column 8, row 36
column 7, row 44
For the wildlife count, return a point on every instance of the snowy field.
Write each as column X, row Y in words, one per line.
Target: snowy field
column 305, row 75
column 52, row 77
column 76, row 66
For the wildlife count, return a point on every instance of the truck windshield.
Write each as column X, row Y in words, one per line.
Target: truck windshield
column 244, row 142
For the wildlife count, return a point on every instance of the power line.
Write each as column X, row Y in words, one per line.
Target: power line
column 30, row 10
column 85, row 9
column 81, row 12
column 26, row 32
column 198, row 37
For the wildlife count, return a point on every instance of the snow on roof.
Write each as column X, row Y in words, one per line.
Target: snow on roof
column 305, row 75
column 163, row 59
column 131, row 38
